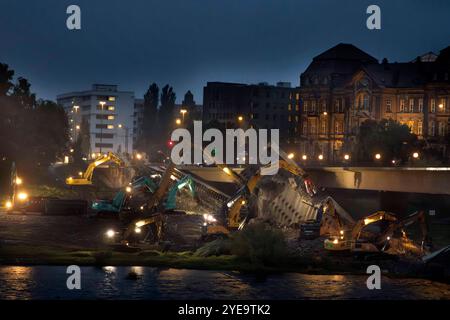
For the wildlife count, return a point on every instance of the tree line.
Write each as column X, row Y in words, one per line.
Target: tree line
column 33, row 132
column 158, row 118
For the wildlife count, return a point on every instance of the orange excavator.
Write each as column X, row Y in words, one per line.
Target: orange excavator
column 391, row 237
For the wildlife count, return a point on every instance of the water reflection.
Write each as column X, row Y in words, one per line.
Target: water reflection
column 49, row 282
column 18, row 280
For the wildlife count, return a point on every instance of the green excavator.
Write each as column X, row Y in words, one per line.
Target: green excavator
column 185, row 181
column 115, row 206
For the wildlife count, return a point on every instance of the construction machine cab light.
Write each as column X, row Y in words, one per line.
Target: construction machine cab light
column 110, row 233
column 22, row 196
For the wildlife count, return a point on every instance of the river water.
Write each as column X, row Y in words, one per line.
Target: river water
column 49, row 282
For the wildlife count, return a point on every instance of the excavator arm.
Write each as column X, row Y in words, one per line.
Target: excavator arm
column 377, row 216
column 153, row 218
column 416, row 217
column 86, row 178
column 136, row 227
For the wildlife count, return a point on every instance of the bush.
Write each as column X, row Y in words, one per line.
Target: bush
column 260, row 244
column 214, row 248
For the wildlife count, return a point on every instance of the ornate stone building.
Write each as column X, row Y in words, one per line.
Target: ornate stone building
column 344, row 86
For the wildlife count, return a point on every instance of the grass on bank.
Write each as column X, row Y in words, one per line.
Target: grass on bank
column 258, row 248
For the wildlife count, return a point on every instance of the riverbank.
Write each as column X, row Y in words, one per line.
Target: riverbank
column 32, row 255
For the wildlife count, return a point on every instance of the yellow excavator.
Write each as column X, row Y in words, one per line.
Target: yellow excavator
column 346, row 239
column 86, row 178
column 359, row 240
column 235, row 204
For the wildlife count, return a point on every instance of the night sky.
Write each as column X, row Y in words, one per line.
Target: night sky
column 189, row 42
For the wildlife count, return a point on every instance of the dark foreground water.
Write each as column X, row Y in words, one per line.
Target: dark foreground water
column 49, row 282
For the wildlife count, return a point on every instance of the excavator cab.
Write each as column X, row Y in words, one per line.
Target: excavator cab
column 186, row 181
column 114, row 207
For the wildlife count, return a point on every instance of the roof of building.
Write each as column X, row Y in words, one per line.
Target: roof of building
column 395, row 75
column 345, row 51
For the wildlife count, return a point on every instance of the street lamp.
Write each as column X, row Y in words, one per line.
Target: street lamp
column 240, row 118
column 325, row 113
column 378, row 156
column 320, row 157
column 183, row 112
column 102, row 104
column 121, row 126
column 291, row 156
column 305, row 157
column 346, row 157
column 415, row 155
column 178, row 121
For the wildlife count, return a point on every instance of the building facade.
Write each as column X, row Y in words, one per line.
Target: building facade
column 261, row 106
column 345, row 86
column 105, row 114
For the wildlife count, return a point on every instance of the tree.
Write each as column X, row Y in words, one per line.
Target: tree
column 387, row 137
column 6, row 75
column 149, row 122
column 166, row 111
column 50, row 142
column 82, row 145
column 33, row 132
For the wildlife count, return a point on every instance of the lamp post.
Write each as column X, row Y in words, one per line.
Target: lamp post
column 183, row 112
column 127, row 133
column 102, row 104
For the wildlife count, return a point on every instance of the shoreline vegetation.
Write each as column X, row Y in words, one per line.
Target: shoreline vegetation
column 32, row 255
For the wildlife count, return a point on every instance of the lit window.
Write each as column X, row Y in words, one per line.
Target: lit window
column 410, row 125
column 110, row 126
column 111, row 108
column 111, row 98
column 388, row 105
column 289, row 107
column 433, row 106
column 337, row 127
column 110, row 117
column 432, row 128
column 402, row 105
column 420, row 105
column 411, row 105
